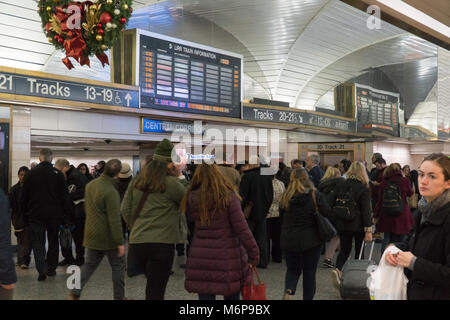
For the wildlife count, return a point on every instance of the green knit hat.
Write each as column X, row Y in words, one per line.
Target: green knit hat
column 163, row 151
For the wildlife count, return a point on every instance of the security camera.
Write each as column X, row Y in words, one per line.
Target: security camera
column 108, row 141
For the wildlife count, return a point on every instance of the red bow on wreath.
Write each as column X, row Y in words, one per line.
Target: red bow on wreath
column 74, row 44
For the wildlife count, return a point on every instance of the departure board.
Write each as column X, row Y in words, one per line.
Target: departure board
column 377, row 110
column 178, row 75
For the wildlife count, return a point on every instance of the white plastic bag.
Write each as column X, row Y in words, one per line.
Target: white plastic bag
column 387, row 282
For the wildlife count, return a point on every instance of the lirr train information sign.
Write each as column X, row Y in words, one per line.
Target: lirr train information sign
column 67, row 90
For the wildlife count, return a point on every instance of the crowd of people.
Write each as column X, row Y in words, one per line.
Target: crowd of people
column 227, row 220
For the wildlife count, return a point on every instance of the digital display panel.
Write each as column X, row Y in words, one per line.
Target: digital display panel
column 377, row 110
column 177, row 75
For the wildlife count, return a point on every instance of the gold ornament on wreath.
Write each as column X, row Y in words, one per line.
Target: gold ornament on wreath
column 83, row 28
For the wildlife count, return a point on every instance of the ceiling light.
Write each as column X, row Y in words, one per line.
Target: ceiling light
column 415, row 14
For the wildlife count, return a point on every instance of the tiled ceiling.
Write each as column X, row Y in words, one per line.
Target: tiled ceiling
column 294, row 50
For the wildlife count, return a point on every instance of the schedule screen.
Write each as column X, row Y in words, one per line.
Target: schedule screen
column 179, row 77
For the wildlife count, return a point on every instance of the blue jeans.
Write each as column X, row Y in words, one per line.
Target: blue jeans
column 306, row 262
column 390, row 237
column 203, row 296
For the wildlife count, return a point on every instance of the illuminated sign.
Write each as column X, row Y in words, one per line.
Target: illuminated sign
column 182, row 76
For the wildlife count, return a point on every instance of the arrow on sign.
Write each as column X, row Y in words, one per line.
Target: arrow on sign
column 128, row 97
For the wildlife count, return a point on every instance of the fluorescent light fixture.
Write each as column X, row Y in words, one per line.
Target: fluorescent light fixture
column 39, row 104
column 419, row 16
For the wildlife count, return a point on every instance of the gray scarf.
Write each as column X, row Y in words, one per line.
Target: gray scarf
column 428, row 208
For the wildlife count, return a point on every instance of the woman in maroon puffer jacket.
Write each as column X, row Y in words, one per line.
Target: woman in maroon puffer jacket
column 223, row 247
column 394, row 227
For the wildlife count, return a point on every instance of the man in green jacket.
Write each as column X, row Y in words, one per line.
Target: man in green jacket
column 103, row 230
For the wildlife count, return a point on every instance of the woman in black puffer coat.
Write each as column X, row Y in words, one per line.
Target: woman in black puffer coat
column 326, row 187
column 300, row 240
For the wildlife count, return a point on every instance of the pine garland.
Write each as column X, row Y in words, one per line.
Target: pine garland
column 99, row 25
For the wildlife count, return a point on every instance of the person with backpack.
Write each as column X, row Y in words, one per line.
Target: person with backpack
column 392, row 213
column 351, row 215
column 327, row 187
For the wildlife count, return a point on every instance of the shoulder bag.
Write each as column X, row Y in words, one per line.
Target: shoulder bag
column 326, row 229
column 133, row 268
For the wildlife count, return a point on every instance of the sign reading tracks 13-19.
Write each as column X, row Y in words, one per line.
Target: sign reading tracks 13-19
column 67, row 90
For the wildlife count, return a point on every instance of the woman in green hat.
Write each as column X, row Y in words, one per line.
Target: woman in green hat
column 150, row 209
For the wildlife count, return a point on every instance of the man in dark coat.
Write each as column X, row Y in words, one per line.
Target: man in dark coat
column 45, row 205
column 314, row 170
column 22, row 233
column 7, row 272
column 258, row 189
column 76, row 183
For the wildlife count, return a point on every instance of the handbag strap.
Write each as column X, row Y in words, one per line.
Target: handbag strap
column 257, row 275
column 139, row 208
column 315, row 202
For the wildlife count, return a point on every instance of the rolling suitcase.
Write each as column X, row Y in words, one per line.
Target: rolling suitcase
column 355, row 275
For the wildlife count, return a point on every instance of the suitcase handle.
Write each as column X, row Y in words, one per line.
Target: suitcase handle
column 362, row 248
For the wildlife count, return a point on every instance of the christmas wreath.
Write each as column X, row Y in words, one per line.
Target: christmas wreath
column 84, row 29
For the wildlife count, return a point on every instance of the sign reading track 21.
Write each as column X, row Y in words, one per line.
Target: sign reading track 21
column 67, row 90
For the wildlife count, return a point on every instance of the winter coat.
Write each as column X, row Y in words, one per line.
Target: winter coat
column 220, row 252
column 77, row 184
column 159, row 220
column 327, row 186
column 401, row 224
column 45, row 196
column 17, row 219
column 103, row 227
column 315, row 174
column 430, row 243
column 258, row 189
column 363, row 215
column 299, row 228
column 284, row 176
column 123, row 186
column 7, row 269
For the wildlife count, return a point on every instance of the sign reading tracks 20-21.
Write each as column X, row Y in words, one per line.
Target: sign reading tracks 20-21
column 67, row 90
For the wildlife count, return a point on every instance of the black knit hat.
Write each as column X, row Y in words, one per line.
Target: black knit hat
column 163, row 151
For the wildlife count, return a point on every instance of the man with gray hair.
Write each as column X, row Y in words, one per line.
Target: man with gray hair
column 76, row 183
column 103, row 234
column 45, row 206
column 314, row 171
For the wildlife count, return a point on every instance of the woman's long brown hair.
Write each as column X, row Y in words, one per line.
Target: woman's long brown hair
column 214, row 189
column 153, row 177
column 299, row 183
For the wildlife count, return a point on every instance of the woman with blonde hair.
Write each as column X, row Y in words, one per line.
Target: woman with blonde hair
column 351, row 215
column 300, row 239
column 223, row 247
column 326, row 186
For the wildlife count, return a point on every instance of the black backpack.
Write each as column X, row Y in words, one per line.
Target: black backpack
column 391, row 201
column 345, row 204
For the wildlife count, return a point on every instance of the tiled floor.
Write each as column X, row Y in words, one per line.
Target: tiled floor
column 100, row 285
